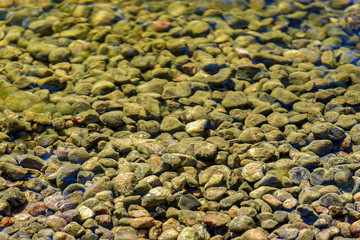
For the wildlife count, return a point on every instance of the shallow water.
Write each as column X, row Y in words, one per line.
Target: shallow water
column 179, row 119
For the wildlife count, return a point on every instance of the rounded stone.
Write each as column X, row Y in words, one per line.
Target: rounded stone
column 254, row 234
column 331, row 199
column 234, row 100
column 59, row 55
column 62, row 236
column 198, row 28
column 188, row 202
column 241, row 224
column 205, row 150
column 30, row 161
column 299, row 174
column 102, row 87
column 188, row 233
column 14, row 197
column 196, row 128
column 171, row 124
column 277, row 119
column 251, row 135
column 78, row 155
column 113, row 119
column 255, row 120
column 253, row 172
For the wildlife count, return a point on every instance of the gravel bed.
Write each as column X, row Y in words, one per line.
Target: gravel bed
column 187, row 120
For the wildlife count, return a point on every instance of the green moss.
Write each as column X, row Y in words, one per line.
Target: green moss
column 19, row 101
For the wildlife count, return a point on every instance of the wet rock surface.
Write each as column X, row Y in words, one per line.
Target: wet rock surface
column 179, row 120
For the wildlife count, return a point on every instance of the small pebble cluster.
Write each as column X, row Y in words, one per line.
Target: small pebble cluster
column 187, row 120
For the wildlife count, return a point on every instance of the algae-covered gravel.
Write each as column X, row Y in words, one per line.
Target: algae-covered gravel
column 188, row 120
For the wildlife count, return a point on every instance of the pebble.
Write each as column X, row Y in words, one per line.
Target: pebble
column 188, row 233
column 103, row 220
column 331, row 199
column 234, row 100
column 196, row 128
column 6, row 222
column 188, row 202
column 241, row 224
column 289, row 233
column 63, row 236
column 171, row 124
column 12, row 171
column 14, row 197
column 290, row 203
column 85, row 212
column 56, row 223
column 188, row 217
column 4, row 207
column 29, row 161
column 124, row 183
column 277, row 120
column 215, row 193
column 37, row 208
column 299, row 174
column 142, row 222
column 251, row 135
column 198, row 28
column 253, row 171
column 254, row 234
column 66, row 175
column 113, row 119
column 162, row 25
column 284, row 96
column 215, row 220
column 170, row 234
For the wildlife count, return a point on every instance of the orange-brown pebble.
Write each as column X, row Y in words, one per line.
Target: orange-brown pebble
column 355, row 229
column 215, row 220
column 143, row 222
column 254, row 234
column 37, row 208
column 103, row 220
column 162, row 25
column 321, row 209
column 6, row 221
column 271, row 200
column 233, row 211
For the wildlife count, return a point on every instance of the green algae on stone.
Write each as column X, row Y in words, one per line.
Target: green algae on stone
column 198, row 28
column 21, row 100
